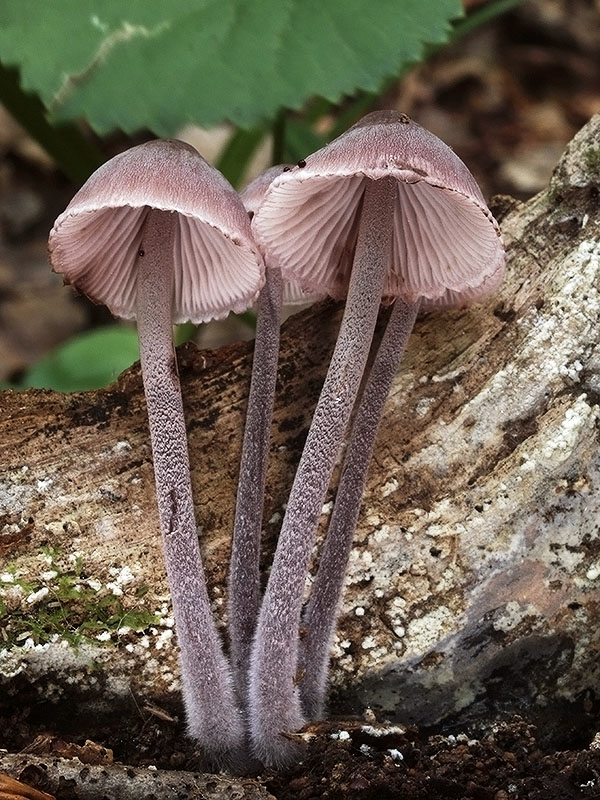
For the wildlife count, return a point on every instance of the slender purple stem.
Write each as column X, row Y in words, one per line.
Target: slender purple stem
column 212, row 716
column 273, row 691
column 244, row 573
column 320, row 615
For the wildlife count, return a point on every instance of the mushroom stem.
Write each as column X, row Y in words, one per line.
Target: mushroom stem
column 273, row 689
column 212, row 716
column 244, row 572
column 320, row 615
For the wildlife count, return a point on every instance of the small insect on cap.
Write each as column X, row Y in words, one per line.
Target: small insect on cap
column 445, row 240
column 95, row 241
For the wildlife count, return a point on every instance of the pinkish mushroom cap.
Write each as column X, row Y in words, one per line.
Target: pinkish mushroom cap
column 446, row 246
column 465, row 297
column 252, row 197
column 95, row 241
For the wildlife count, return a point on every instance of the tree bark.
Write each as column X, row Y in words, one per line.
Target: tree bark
column 476, row 565
column 70, row 777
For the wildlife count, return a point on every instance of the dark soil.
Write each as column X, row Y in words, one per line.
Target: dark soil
column 553, row 754
column 507, row 762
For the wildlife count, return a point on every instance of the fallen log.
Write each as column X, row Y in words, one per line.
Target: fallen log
column 476, row 566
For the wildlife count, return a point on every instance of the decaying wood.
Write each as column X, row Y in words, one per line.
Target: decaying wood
column 476, row 568
column 11, row 789
column 79, row 781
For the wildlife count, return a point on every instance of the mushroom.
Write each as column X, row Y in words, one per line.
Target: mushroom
column 158, row 234
column 386, row 210
column 321, row 612
column 244, row 574
column 244, row 569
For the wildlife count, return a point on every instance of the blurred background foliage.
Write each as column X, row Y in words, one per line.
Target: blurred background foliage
column 248, row 82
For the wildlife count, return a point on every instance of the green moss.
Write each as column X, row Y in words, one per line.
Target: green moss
column 591, row 159
column 554, row 195
column 71, row 609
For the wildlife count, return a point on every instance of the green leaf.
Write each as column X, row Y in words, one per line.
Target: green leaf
column 65, row 143
column 88, row 361
column 158, row 64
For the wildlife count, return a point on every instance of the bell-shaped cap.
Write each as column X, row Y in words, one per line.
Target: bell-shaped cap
column 95, row 241
column 446, row 245
column 466, row 297
column 252, row 197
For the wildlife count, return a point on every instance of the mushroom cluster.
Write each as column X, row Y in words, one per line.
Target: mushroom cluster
column 384, row 215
